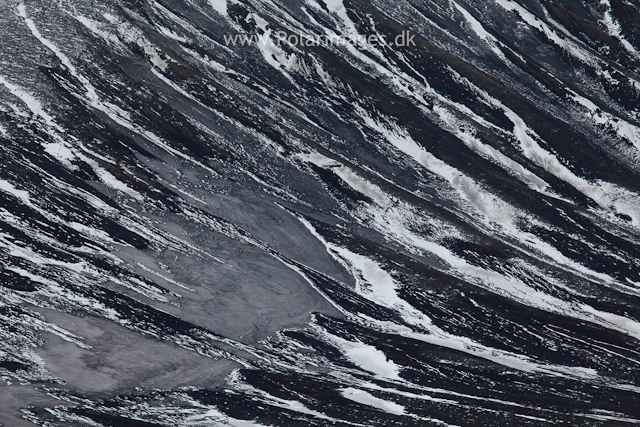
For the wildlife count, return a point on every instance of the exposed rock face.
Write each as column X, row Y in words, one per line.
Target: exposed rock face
column 321, row 212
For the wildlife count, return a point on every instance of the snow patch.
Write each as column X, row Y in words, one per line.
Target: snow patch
column 533, row 21
column 32, row 103
column 60, row 151
column 369, row 358
column 95, row 28
column 614, row 29
column 491, row 206
column 219, row 6
column 480, row 31
column 23, row 196
column 365, row 398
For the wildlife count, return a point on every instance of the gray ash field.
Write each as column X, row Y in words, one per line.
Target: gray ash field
column 195, row 233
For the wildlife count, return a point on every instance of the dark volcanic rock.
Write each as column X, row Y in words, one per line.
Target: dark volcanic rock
column 204, row 223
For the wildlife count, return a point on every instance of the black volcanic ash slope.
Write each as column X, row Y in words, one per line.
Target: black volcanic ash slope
column 272, row 234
